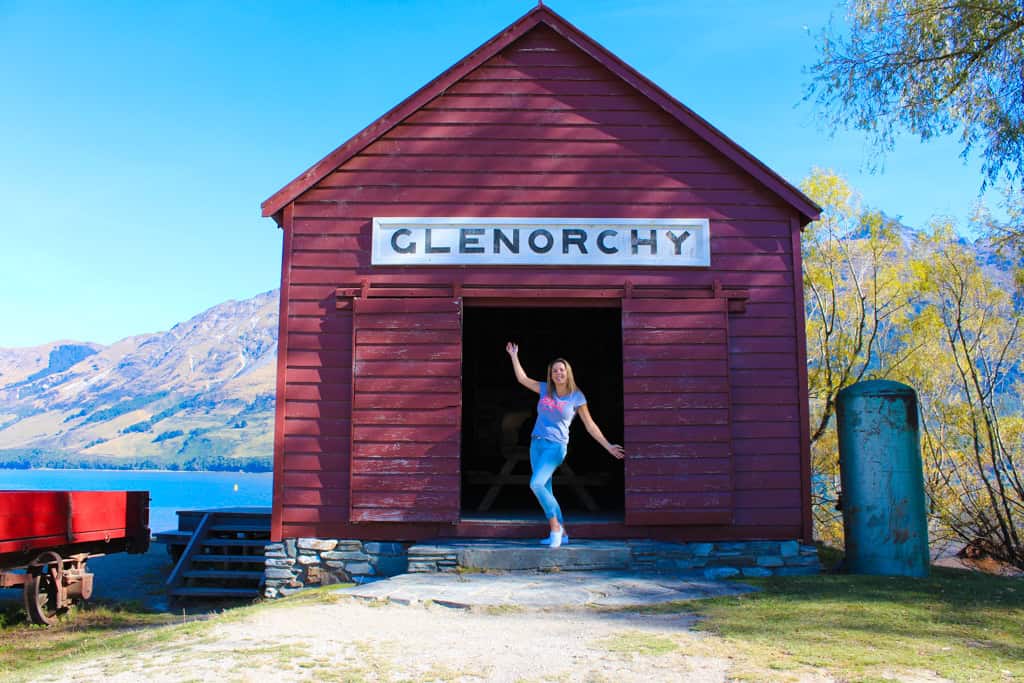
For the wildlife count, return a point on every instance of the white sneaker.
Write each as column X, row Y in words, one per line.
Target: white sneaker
column 547, row 541
column 556, row 538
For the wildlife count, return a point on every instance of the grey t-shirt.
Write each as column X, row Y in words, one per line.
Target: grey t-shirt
column 555, row 413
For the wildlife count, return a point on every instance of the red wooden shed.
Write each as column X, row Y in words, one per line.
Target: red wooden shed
column 540, row 191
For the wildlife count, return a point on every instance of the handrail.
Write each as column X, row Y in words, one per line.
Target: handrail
column 198, row 536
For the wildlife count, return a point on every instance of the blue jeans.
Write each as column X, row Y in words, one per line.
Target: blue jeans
column 545, row 457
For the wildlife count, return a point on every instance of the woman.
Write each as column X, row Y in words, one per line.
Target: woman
column 560, row 400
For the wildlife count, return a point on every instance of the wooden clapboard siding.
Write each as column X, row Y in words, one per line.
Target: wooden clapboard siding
column 396, row 341
column 666, row 484
column 541, row 129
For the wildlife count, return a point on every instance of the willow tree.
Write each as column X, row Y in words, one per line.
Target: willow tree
column 858, row 298
column 930, row 68
column 969, row 379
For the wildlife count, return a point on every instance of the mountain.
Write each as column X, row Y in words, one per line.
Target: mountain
column 198, row 396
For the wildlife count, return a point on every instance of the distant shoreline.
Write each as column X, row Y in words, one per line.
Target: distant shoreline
column 21, row 460
column 5, row 466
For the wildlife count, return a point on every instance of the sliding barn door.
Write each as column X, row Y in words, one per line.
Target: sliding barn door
column 406, row 410
column 677, row 411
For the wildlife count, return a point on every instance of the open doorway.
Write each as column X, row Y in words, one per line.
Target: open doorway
column 498, row 413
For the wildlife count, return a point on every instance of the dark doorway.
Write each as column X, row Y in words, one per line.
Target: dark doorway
column 498, row 413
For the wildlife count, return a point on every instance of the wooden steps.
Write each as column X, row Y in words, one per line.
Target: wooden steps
column 220, row 553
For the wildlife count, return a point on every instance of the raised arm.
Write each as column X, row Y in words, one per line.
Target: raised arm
column 615, row 449
column 531, row 384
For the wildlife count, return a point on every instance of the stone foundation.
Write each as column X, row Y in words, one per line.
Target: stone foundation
column 298, row 563
column 684, row 560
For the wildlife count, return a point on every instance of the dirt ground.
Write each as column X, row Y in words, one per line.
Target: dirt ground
column 351, row 640
column 347, row 639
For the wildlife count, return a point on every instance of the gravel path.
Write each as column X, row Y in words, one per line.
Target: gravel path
column 353, row 640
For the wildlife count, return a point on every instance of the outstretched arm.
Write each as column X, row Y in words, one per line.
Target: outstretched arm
column 531, row 384
column 615, row 449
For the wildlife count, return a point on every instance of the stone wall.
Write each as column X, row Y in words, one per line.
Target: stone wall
column 298, row 563
column 685, row 560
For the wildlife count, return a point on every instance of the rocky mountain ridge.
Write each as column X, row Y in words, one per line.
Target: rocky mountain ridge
column 198, row 396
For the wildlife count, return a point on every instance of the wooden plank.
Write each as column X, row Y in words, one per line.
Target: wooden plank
column 403, row 337
column 401, row 514
column 319, row 515
column 684, row 516
column 566, row 127
column 324, row 479
column 702, row 433
column 441, row 437
column 405, row 401
column 767, row 361
column 315, row 497
column 694, row 337
column 413, row 465
column 425, row 501
column 405, row 369
column 744, row 345
column 769, row 498
column 681, row 385
column 297, row 443
column 330, row 358
column 409, row 483
column 338, row 426
column 340, row 376
column 773, row 241
column 767, row 516
column 319, row 392
column 411, row 321
column 525, row 205
column 439, row 385
column 677, row 466
column 768, row 430
column 409, row 418
column 683, row 483
column 678, row 449
column 763, row 480
column 314, row 462
column 765, row 446
column 543, row 87
column 642, row 466
column 405, row 449
column 676, row 368
column 317, row 342
column 409, row 352
column 544, row 195
column 676, row 401
column 637, row 418
column 785, row 412
column 678, row 500
column 687, row 352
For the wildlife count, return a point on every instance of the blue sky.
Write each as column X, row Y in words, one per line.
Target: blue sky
column 137, row 139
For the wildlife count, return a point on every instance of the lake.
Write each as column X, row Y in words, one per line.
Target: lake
column 168, row 491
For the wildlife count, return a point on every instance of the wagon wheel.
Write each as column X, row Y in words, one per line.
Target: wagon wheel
column 42, row 595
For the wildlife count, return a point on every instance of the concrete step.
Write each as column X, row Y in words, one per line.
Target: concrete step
column 523, row 555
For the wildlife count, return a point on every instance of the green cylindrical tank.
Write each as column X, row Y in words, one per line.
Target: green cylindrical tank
column 883, row 499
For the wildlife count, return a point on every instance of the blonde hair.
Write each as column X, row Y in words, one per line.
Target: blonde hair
column 570, row 380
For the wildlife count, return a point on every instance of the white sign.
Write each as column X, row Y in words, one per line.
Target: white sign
column 541, row 242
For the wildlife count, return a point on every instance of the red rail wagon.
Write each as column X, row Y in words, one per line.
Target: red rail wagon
column 46, row 538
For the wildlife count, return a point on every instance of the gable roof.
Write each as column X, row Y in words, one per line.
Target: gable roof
column 541, row 14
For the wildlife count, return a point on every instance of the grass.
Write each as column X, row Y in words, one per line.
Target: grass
column 637, row 642
column 961, row 625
